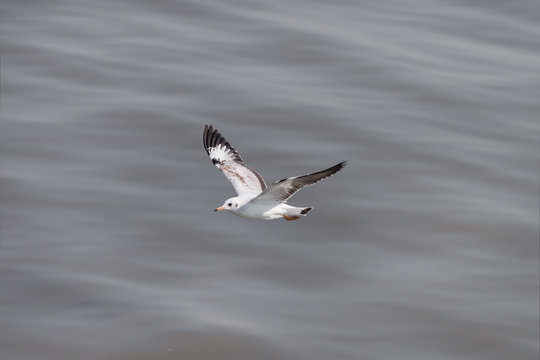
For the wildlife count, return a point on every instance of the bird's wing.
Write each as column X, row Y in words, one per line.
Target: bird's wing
column 283, row 189
column 244, row 180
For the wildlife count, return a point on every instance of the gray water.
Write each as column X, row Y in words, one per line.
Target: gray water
column 424, row 247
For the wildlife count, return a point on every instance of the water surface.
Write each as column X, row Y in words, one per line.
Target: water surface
column 424, row 247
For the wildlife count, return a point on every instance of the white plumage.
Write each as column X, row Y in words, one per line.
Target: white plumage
column 254, row 199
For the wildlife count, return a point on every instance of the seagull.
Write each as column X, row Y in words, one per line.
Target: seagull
column 255, row 200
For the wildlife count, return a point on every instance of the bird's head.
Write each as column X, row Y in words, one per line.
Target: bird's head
column 231, row 204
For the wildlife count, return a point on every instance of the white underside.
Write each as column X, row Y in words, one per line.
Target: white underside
column 267, row 211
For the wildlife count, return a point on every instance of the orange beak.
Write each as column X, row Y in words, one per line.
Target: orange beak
column 220, row 208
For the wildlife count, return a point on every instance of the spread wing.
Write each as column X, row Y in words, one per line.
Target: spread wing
column 244, row 180
column 283, row 189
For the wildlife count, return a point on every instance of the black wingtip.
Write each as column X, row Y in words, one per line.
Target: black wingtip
column 334, row 169
column 209, row 136
column 206, row 137
column 212, row 138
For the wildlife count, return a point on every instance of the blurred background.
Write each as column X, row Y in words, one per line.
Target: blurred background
column 424, row 247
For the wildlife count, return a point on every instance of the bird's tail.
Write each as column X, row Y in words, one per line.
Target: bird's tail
column 294, row 213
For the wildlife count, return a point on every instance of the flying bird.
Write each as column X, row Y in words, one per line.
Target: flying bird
column 255, row 200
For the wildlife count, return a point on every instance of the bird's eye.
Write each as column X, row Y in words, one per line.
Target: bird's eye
column 229, row 204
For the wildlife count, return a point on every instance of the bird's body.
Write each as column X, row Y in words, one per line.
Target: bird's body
column 270, row 211
column 255, row 200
